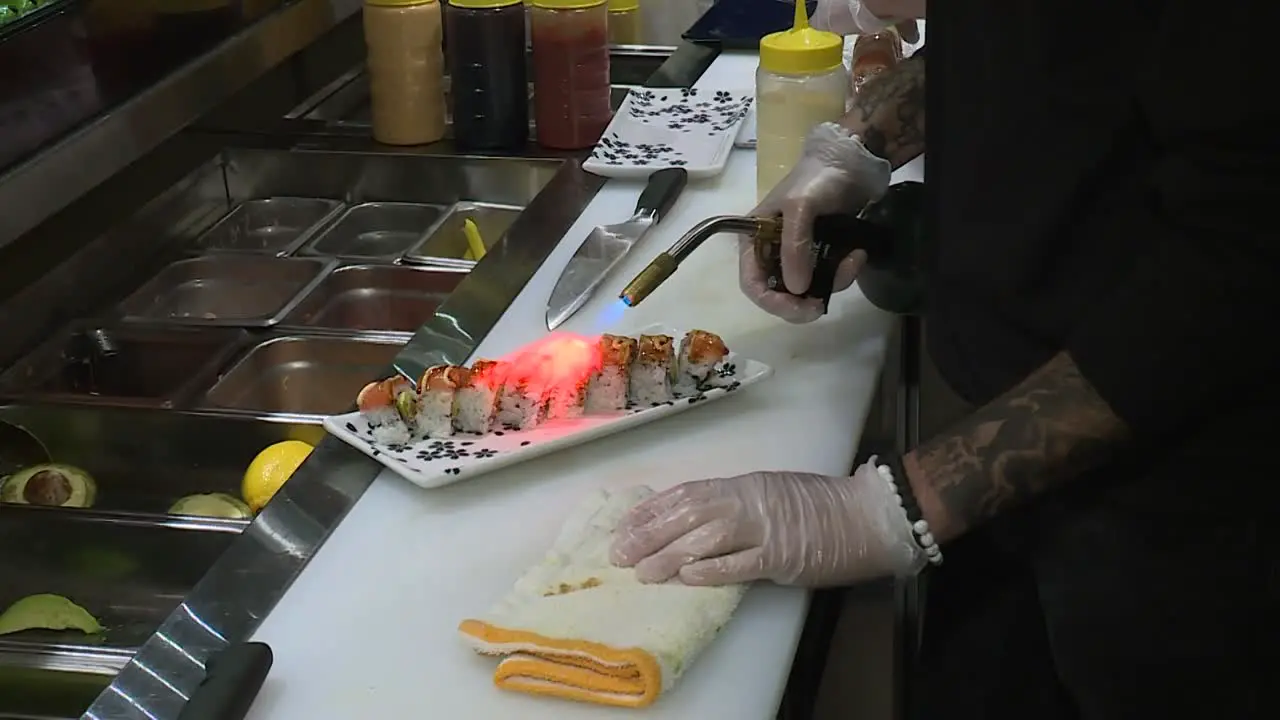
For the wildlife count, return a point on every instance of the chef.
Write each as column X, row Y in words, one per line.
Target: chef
column 1100, row 533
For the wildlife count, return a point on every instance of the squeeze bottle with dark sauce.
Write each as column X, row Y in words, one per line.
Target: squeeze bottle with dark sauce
column 490, row 88
column 570, row 72
column 406, row 70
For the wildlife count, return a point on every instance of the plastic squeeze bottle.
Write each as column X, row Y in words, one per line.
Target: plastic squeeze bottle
column 801, row 82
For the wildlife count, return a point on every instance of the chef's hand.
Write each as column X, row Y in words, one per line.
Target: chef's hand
column 835, row 174
column 791, row 528
column 855, row 17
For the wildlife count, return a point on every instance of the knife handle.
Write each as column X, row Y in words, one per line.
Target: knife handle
column 661, row 192
column 231, row 683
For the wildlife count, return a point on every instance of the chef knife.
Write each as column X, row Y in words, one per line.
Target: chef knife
column 232, row 680
column 606, row 245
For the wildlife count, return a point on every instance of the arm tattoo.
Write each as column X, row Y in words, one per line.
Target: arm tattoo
column 1044, row 432
column 888, row 112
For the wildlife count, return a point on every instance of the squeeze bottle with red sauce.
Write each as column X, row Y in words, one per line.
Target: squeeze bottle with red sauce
column 570, row 72
column 406, row 70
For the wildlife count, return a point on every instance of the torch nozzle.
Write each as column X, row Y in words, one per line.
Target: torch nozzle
column 653, row 275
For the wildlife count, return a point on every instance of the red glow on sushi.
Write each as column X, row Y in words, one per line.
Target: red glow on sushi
column 556, row 362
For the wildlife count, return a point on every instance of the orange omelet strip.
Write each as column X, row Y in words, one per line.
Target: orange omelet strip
column 571, row 669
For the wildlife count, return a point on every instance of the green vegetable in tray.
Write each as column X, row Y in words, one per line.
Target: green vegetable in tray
column 47, row 612
column 50, row 484
column 217, row 505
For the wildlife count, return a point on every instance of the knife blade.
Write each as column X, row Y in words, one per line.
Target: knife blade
column 606, row 245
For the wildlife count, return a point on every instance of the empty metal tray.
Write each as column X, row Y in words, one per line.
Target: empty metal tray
column 375, row 297
column 271, row 225
column 231, row 290
column 303, row 375
column 376, row 231
column 447, row 243
column 128, row 365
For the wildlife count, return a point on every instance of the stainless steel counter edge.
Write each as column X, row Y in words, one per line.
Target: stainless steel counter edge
column 56, row 177
column 242, row 587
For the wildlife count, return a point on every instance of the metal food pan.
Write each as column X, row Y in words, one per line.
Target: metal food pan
column 128, row 365
column 376, row 231
column 446, row 245
column 226, row 290
column 303, row 375
column 275, row 226
column 375, row 298
column 143, row 459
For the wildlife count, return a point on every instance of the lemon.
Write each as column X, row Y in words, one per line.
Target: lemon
column 270, row 470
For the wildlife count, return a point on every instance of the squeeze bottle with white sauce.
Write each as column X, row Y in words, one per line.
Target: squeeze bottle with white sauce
column 406, row 70
column 801, row 82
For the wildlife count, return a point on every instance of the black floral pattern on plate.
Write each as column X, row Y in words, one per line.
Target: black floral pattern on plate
column 614, row 150
column 688, row 110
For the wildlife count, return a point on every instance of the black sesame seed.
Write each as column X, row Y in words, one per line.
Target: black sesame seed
column 524, row 443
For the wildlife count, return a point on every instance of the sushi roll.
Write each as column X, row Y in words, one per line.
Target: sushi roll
column 653, row 371
column 573, row 361
column 525, row 399
column 476, row 403
column 389, row 407
column 701, row 352
column 607, row 391
column 436, row 393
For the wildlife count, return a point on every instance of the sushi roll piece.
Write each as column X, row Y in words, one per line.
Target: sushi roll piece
column 436, row 393
column 525, row 400
column 653, row 371
column 607, row 391
column 389, row 406
column 701, row 353
column 476, row 402
column 573, row 361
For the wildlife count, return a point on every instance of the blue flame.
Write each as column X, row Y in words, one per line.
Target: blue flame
column 609, row 317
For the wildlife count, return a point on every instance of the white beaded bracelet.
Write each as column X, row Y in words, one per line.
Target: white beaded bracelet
column 919, row 526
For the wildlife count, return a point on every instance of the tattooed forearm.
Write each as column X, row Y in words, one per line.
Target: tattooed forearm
column 888, row 113
column 1042, row 433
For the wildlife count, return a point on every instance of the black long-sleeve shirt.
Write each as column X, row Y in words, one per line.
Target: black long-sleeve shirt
column 1107, row 179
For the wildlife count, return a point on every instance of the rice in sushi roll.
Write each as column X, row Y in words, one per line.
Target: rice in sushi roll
column 436, row 392
column 607, row 391
column 572, row 361
column 701, row 353
column 525, row 400
column 389, row 406
column 476, row 402
column 653, row 370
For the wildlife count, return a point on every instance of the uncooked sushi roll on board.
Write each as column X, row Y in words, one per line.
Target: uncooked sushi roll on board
column 701, row 353
column 388, row 406
column 652, row 372
column 607, row 391
column 476, row 402
column 436, row 392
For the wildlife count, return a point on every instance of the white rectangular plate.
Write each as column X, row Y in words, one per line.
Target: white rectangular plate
column 659, row 128
column 436, row 463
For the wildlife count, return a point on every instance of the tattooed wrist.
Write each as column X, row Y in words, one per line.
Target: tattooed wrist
column 1049, row 429
column 888, row 112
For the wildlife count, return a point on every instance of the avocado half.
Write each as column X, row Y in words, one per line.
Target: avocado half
column 217, row 505
column 50, row 484
column 47, row 612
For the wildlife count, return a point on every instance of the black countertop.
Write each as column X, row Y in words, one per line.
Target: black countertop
column 91, row 56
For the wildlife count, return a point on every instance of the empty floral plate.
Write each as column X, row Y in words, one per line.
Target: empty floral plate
column 434, row 463
column 657, row 128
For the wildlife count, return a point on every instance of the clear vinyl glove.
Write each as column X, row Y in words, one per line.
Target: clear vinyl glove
column 791, row 528
column 835, row 174
column 856, row 17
